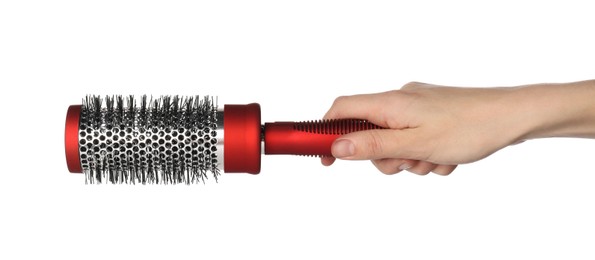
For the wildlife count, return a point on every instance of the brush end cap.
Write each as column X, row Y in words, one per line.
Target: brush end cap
column 71, row 139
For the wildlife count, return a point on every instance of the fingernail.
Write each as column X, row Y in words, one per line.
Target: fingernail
column 343, row 148
column 404, row 167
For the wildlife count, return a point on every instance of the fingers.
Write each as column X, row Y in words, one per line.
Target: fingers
column 378, row 144
column 350, row 106
column 327, row 161
column 367, row 106
column 391, row 166
column 444, row 169
column 370, row 106
column 422, row 168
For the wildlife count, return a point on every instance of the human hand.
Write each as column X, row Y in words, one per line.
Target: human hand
column 429, row 128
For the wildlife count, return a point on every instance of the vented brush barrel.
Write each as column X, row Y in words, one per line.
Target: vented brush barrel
column 125, row 140
column 184, row 139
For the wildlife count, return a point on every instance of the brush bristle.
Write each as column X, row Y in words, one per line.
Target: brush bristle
column 167, row 140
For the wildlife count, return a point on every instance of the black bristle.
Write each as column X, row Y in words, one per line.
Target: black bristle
column 109, row 112
column 119, row 114
column 142, row 111
column 135, row 144
column 130, row 115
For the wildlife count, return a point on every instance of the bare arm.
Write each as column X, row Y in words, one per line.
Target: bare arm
column 434, row 128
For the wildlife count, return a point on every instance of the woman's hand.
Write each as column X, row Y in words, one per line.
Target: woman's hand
column 434, row 128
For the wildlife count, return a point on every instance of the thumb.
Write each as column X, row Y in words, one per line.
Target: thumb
column 377, row 144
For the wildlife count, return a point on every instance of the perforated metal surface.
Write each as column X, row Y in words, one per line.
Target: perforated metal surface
column 167, row 140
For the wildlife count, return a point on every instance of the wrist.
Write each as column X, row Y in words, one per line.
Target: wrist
column 556, row 110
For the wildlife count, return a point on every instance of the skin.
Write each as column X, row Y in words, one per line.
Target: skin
column 431, row 128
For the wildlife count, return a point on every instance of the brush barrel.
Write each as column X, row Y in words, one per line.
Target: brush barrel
column 166, row 140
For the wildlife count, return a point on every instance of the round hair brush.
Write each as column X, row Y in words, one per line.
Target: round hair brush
column 175, row 139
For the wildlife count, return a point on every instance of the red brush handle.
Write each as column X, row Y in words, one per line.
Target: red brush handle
column 309, row 138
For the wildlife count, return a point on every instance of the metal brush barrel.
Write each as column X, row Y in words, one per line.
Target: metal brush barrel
column 166, row 140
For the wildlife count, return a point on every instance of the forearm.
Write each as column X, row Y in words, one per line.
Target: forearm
column 558, row 110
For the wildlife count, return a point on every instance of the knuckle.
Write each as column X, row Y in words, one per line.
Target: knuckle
column 385, row 166
column 335, row 107
column 423, row 168
column 339, row 100
column 412, row 85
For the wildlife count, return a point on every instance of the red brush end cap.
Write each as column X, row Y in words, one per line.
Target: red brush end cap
column 242, row 137
column 71, row 139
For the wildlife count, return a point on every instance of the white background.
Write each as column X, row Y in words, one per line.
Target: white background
column 532, row 200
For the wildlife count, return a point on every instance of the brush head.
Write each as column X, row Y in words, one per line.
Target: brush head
column 166, row 140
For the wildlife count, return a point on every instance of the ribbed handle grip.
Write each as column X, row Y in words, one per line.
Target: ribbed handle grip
column 309, row 138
